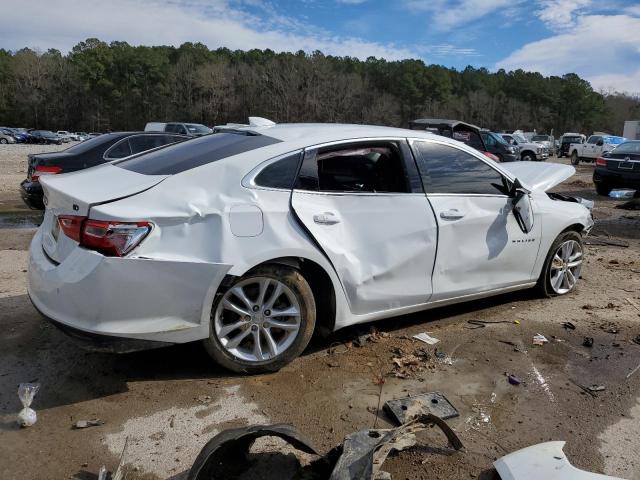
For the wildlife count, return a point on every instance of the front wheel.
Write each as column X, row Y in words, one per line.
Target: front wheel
column 528, row 157
column 562, row 266
column 4, row 141
column 603, row 189
column 262, row 322
column 575, row 159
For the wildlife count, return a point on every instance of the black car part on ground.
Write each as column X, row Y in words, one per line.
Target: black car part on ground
column 619, row 168
column 92, row 152
column 461, row 131
column 359, row 457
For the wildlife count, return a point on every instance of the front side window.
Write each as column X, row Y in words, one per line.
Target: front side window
column 447, row 169
column 593, row 139
column 368, row 168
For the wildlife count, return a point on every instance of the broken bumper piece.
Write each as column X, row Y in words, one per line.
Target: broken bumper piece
column 543, row 461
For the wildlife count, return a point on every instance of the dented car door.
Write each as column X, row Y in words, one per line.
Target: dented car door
column 364, row 205
column 480, row 244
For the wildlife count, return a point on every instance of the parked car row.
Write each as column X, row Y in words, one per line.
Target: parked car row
column 32, row 135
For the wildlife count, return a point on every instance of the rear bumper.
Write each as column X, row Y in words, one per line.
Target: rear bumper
column 32, row 194
column 617, row 180
column 124, row 298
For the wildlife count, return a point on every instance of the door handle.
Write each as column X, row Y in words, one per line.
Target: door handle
column 452, row 214
column 326, row 218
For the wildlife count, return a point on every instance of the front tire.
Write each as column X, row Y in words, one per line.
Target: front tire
column 263, row 321
column 4, row 141
column 575, row 159
column 562, row 266
column 528, row 157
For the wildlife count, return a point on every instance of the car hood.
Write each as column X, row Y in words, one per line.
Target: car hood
column 539, row 176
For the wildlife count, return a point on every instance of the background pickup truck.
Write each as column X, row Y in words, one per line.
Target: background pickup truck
column 595, row 146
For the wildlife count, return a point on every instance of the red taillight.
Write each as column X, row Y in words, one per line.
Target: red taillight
column 44, row 170
column 601, row 162
column 491, row 156
column 71, row 225
column 113, row 238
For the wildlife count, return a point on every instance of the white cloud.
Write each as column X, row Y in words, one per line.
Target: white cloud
column 604, row 49
column 446, row 15
column 243, row 24
column 352, row 2
column 561, row 14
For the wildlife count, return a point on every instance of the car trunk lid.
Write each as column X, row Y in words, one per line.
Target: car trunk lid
column 75, row 193
column 539, row 176
column 623, row 162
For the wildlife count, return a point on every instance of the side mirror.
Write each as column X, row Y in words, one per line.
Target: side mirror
column 523, row 211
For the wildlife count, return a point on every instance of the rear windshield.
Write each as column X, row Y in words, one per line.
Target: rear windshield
column 87, row 145
column 195, row 153
column 629, row 147
column 571, row 139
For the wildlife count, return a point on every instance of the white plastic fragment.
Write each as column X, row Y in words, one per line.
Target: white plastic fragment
column 423, row 337
column 26, row 392
column 102, row 473
column 540, row 339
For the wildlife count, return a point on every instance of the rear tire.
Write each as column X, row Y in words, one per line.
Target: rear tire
column 557, row 264
column 603, row 189
column 3, row 141
column 258, row 321
column 575, row 159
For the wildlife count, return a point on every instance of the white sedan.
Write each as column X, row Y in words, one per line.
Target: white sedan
column 252, row 239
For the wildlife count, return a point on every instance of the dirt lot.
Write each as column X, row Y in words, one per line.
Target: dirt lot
column 169, row 402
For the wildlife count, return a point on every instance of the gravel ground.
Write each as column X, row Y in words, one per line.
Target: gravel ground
column 169, row 402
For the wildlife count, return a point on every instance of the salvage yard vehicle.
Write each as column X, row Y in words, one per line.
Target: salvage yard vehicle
column 44, row 137
column 566, row 140
column 6, row 137
column 619, row 168
column 500, row 147
column 254, row 239
column 95, row 151
column 529, row 151
column 594, row 147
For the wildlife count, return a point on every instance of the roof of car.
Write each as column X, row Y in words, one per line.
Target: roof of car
column 328, row 132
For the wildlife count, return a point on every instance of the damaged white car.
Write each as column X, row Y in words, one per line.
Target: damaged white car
column 253, row 239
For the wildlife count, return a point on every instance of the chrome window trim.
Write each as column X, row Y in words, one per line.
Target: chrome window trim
column 358, row 194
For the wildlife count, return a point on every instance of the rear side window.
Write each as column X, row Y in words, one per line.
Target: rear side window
column 280, row 174
column 119, row 150
column 367, row 168
column 446, row 169
column 184, row 156
column 175, row 128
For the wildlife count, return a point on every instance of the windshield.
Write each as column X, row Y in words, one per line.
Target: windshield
column 499, row 138
column 628, row 147
column 197, row 128
column 540, row 138
column 520, row 138
column 571, row 139
column 614, row 140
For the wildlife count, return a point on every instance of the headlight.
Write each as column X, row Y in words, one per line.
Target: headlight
column 512, row 150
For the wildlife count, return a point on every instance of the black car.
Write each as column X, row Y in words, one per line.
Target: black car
column 92, row 152
column 500, row 147
column 461, row 131
column 44, row 136
column 618, row 168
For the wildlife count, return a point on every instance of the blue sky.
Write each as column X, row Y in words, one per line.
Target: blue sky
column 597, row 40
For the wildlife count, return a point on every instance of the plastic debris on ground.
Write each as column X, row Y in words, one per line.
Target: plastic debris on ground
column 404, row 409
column 540, row 339
column 621, row 193
column 596, row 388
column 88, row 423
column 587, row 342
column 513, row 380
column 426, row 338
column 26, row 392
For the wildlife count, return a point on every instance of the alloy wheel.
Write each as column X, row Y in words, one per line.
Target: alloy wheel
column 257, row 319
column 565, row 267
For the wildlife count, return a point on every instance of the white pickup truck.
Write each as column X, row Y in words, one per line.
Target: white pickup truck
column 594, row 147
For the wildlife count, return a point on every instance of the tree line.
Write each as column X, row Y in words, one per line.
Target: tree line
column 100, row 86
